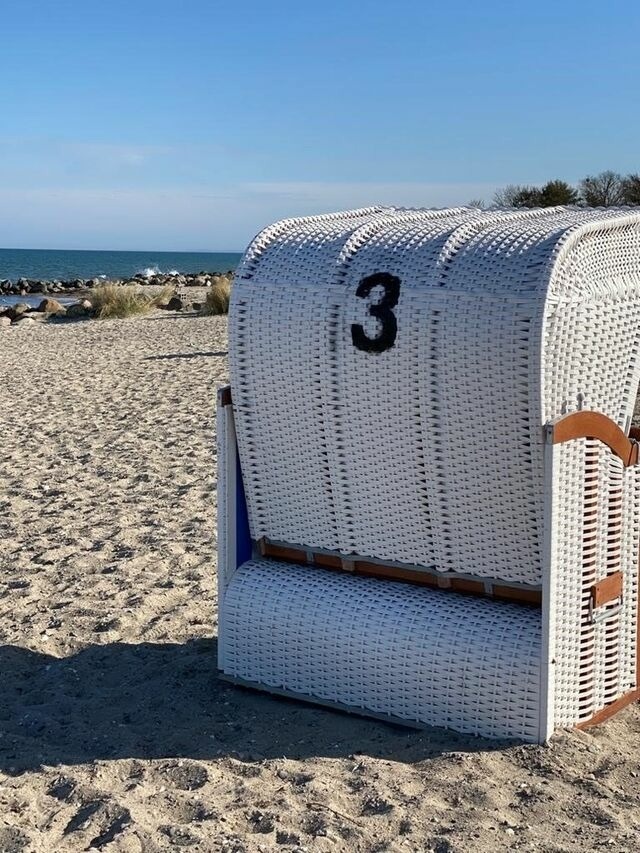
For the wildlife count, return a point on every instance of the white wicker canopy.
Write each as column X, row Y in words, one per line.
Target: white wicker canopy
column 392, row 372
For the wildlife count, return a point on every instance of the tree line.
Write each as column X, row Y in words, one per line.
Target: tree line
column 608, row 189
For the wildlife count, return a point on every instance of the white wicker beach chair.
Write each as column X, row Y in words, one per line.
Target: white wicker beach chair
column 429, row 500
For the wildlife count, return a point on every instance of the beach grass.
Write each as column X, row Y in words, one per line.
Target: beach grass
column 162, row 297
column 119, row 301
column 218, row 296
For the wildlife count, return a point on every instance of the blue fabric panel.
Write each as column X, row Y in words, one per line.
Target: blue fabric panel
column 243, row 536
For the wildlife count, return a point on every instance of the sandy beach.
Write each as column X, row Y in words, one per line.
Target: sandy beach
column 115, row 733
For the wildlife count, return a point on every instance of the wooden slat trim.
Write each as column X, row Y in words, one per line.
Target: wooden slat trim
column 523, row 596
column 327, row 561
column 633, row 695
column 421, row 577
column 281, row 552
column 610, row 710
column 375, row 570
column 607, row 589
column 588, row 424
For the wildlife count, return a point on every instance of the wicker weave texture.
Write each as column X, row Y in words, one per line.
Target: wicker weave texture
column 505, row 319
column 386, row 648
column 596, row 532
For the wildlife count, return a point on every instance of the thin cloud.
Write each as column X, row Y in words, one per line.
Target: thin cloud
column 222, row 217
column 355, row 194
column 38, row 163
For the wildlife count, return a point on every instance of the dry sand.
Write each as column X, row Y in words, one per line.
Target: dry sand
column 115, row 733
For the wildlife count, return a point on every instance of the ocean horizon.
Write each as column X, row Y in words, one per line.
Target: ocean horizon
column 68, row 264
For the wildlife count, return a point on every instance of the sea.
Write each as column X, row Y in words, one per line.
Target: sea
column 63, row 264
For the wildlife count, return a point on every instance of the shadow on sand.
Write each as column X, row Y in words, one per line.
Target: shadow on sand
column 146, row 700
column 172, row 355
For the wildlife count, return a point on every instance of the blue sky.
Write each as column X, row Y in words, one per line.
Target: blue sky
column 189, row 125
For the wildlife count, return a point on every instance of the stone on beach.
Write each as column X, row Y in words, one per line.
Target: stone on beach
column 80, row 309
column 51, row 306
column 175, row 304
column 33, row 316
column 15, row 311
column 22, row 312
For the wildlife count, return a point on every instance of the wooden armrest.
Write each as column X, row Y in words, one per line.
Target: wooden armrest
column 588, row 424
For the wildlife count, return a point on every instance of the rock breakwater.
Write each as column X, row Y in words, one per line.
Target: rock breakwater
column 28, row 286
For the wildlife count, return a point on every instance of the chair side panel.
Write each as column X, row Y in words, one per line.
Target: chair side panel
column 596, row 534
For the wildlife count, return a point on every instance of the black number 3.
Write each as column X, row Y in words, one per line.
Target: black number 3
column 382, row 311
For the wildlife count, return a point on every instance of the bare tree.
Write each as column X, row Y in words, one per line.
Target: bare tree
column 477, row 202
column 508, row 196
column 603, row 190
column 551, row 194
column 631, row 188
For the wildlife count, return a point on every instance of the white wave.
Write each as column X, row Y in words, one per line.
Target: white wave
column 148, row 272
